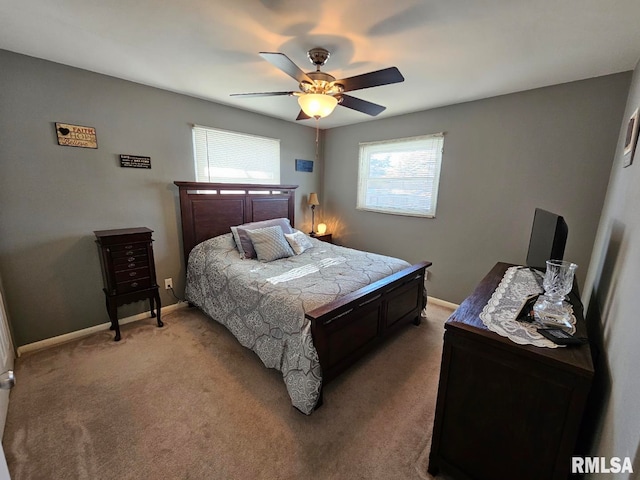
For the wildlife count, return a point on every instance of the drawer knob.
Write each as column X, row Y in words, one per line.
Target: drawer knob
column 130, row 252
column 134, row 284
column 128, row 247
column 133, row 274
column 131, row 265
column 131, row 259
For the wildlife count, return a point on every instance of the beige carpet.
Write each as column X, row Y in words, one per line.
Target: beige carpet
column 188, row 402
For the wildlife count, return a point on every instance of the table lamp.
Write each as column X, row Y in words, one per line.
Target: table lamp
column 313, row 202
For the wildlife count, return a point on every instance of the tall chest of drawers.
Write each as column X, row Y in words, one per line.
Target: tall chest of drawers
column 128, row 270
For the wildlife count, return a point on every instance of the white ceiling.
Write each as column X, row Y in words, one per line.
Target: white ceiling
column 449, row 51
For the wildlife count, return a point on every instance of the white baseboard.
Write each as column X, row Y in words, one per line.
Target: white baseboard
column 442, row 303
column 49, row 342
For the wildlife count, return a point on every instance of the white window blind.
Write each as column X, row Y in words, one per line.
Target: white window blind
column 400, row 176
column 230, row 157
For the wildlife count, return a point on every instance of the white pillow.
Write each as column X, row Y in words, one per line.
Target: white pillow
column 269, row 243
column 298, row 241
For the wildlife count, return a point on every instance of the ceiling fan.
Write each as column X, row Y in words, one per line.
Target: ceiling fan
column 320, row 92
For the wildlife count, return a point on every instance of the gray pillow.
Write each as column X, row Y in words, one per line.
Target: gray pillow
column 243, row 242
column 269, row 243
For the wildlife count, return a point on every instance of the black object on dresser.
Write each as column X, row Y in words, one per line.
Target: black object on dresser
column 128, row 270
column 507, row 411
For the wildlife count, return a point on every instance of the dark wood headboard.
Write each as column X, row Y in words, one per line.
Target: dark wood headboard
column 211, row 209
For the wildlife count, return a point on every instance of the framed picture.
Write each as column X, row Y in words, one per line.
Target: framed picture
column 631, row 138
column 304, row 165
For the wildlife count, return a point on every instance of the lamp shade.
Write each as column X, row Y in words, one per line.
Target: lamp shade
column 322, row 228
column 313, row 199
column 317, row 105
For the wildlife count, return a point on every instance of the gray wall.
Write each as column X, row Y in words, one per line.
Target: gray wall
column 611, row 293
column 52, row 197
column 503, row 157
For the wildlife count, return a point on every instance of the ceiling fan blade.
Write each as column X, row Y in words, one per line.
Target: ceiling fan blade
column 302, row 116
column 360, row 105
column 284, row 63
column 261, row 94
column 372, row 79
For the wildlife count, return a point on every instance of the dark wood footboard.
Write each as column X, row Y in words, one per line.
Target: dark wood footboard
column 344, row 330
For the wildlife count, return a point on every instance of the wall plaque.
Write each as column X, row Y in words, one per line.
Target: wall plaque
column 134, row 161
column 304, row 165
column 76, row 136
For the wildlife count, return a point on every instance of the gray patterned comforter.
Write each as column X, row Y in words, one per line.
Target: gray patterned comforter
column 263, row 304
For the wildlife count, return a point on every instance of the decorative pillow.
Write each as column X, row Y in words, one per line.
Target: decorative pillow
column 269, row 243
column 298, row 241
column 243, row 242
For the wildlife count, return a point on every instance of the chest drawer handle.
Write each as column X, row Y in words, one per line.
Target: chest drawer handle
column 128, row 247
column 133, row 274
column 130, row 252
column 131, row 259
column 134, row 284
column 131, row 265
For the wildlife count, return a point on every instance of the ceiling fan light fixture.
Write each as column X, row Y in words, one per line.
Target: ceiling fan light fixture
column 320, row 92
column 317, row 105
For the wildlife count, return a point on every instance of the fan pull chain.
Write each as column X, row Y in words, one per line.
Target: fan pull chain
column 317, row 137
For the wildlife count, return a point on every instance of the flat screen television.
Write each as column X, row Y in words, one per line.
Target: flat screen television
column 548, row 239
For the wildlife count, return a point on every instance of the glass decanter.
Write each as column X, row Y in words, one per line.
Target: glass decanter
column 551, row 309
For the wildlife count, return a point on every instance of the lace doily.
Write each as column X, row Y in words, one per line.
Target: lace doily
column 499, row 314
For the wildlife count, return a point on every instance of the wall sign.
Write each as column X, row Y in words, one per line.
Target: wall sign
column 76, row 136
column 134, row 161
column 304, row 165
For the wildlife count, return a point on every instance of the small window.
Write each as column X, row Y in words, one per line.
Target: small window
column 230, row 157
column 400, row 176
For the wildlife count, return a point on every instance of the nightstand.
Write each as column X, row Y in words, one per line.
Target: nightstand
column 128, row 270
column 324, row 238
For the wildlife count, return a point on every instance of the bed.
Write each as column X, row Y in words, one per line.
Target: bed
column 310, row 315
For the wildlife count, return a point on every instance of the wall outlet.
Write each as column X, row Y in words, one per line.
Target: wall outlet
column 168, row 283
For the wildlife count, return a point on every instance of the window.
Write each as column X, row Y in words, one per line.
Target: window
column 230, row 157
column 400, row 176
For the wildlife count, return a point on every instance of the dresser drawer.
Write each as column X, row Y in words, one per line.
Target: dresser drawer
column 128, row 252
column 128, row 246
column 135, row 261
column 132, row 274
column 132, row 286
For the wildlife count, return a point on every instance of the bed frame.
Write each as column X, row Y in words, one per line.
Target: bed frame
column 343, row 330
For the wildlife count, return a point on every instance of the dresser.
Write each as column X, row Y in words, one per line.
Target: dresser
column 506, row 411
column 128, row 271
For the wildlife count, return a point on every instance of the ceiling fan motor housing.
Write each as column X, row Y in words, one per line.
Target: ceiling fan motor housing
column 318, row 56
column 323, row 83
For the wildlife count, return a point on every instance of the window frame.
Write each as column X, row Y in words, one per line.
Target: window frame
column 367, row 149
